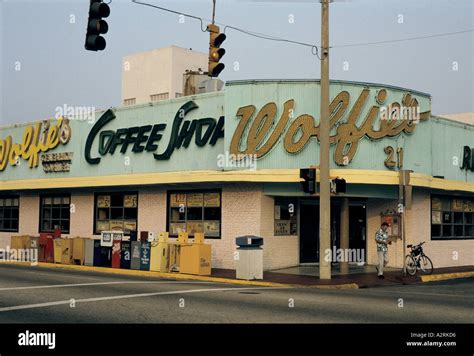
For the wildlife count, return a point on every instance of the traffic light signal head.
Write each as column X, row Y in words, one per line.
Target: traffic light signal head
column 215, row 52
column 338, row 185
column 309, row 183
column 96, row 25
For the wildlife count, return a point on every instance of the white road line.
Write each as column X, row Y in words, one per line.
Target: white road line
column 128, row 296
column 420, row 293
column 102, row 283
column 58, row 275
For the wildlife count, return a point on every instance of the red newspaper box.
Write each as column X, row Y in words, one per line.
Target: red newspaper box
column 116, row 249
column 46, row 248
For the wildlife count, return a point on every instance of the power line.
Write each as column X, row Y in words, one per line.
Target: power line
column 314, row 48
column 402, row 39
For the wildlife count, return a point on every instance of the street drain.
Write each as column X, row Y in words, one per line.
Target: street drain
column 249, row 293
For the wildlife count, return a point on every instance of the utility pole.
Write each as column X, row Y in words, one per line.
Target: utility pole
column 325, row 190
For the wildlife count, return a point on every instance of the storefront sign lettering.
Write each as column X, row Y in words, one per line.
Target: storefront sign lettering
column 260, row 138
column 41, row 137
column 146, row 138
column 57, row 162
column 468, row 158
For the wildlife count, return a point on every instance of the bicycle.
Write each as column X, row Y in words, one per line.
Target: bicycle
column 417, row 260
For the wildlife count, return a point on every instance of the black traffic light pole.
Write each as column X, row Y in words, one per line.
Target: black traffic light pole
column 96, row 25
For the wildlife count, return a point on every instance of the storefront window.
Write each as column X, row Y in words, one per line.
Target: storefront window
column 9, row 213
column 116, row 212
column 55, row 213
column 198, row 211
column 285, row 216
column 452, row 218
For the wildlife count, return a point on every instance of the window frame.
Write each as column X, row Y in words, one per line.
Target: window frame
column 52, row 196
column 96, row 194
column 452, row 224
column 3, row 197
column 293, row 200
column 190, row 191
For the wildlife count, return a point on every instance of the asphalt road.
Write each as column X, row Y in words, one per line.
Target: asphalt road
column 40, row 295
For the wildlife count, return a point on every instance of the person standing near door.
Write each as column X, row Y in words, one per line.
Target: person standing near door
column 381, row 238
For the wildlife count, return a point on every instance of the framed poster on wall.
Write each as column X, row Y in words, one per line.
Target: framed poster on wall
column 394, row 223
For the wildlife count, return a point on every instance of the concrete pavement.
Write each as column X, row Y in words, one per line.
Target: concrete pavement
column 34, row 295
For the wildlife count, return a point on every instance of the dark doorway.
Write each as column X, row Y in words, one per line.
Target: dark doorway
column 309, row 233
column 309, row 228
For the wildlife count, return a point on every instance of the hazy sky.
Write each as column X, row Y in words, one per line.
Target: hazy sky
column 44, row 64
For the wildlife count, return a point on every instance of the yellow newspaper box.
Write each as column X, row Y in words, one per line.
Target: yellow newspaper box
column 66, row 251
column 78, row 250
column 160, row 254
column 18, row 242
column 196, row 258
column 57, row 250
column 175, row 251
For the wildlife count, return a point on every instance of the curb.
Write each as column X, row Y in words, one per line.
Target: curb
column 179, row 276
column 446, row 276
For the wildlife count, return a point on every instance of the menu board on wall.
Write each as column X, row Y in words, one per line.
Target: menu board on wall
column 130, row 201
column 103, row 201
column 212, row 200
column 177, row 200
column 211, row 228
column 436, row 203
column 457, row 205
column 116, row 225
column 277, row 213
column 103, row 225
column 194, row 200
column 469, row 205
column 436, row 217
column 176, row 228
column 129, row 226
column 282, row 227
column 194, row 226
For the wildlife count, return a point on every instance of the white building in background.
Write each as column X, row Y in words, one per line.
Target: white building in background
column 464, row 117
column 158, row 74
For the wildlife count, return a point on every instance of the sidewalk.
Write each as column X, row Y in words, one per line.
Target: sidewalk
column 357, row 280
column 278, row 279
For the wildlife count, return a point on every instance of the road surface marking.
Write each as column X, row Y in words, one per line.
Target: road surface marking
column 101, row 283
column 127, row 296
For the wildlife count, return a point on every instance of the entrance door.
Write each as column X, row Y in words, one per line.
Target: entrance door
column 309, row 233
column 309, row 228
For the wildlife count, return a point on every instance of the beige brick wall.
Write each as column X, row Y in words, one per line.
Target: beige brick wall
column 82, row 215
column 443, row 253
column 152, row 210
column 247, row 211
column 417, row 229
column 279, row 251
column 29, row 219
column 395, row 251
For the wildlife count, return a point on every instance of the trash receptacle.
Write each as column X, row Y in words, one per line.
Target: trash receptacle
column 145, row 256
column 250, row 257
column 125, row 256
column 135, row 255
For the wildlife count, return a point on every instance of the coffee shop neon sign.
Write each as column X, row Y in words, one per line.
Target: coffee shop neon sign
column 347, row 136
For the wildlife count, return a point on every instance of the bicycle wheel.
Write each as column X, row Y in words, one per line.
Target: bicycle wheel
column 410, row 265
column 426, row 265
